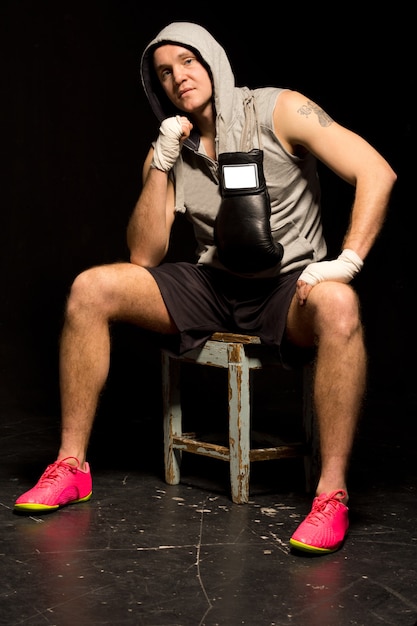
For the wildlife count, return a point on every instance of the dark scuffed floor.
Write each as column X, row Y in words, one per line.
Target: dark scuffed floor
column 148, row 554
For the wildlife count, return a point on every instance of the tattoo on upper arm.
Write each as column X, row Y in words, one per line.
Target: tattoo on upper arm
column 311, row 107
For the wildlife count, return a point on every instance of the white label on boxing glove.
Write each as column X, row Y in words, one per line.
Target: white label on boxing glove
column 241, row 176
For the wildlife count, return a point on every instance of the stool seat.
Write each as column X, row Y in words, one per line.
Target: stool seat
column 239, row 354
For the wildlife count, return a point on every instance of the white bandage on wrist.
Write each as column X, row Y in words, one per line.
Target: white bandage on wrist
column 167, row 146
column 343, row 269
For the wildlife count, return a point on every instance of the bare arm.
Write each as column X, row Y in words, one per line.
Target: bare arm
column 300, row 122
column 300, row 125
column 150, row 224
column 149, row 228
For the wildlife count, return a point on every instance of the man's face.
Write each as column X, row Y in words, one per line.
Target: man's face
column 184, row 79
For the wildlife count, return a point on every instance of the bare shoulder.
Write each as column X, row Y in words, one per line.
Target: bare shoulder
column 297, row 118
column 295, row 104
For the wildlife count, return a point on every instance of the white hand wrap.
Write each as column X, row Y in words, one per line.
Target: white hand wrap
column 343, row 269
column 167, row 146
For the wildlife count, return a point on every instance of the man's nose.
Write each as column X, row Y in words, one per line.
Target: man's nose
column 179, row 75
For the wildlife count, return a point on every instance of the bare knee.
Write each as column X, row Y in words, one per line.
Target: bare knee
column 336, row 309
column 90, row 293
column 332, row 309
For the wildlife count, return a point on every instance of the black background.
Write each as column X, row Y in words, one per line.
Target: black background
column 75, row 127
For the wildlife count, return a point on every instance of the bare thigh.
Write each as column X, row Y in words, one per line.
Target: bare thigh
column 120, row 292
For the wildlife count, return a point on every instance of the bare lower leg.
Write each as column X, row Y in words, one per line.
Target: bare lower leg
column 331, row 319
column 84, row 364
column 338, row 393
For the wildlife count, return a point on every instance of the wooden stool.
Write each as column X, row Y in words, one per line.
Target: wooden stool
column 239, row 354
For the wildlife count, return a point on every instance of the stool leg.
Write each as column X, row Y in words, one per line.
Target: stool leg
column 172, row 416
column 239, row 423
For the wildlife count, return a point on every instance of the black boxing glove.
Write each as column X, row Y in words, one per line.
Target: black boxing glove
column 242, row 229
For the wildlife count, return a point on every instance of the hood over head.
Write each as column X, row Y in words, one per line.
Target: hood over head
column 211, row 54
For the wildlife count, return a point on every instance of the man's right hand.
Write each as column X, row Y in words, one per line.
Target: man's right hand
column 172, row 132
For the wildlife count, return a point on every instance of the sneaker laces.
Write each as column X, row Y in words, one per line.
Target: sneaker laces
column 57, row 470
column 324, row 507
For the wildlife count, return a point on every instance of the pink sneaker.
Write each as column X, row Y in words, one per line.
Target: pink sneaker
column 60, row 484
column 325, row 527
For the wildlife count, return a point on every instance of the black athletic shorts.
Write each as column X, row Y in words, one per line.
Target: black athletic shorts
column 202, row 300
